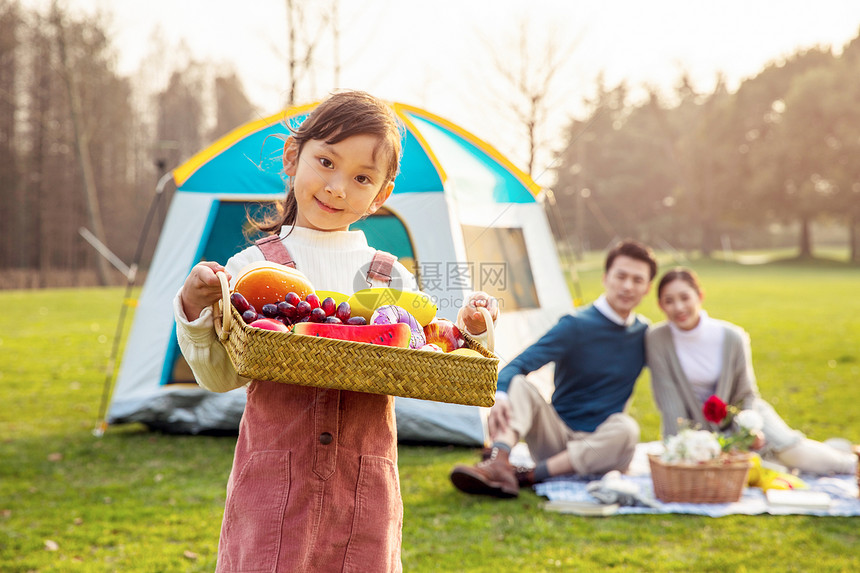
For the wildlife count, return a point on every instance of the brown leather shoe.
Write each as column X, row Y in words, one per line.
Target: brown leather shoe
column 525, row 476
column 494, row 476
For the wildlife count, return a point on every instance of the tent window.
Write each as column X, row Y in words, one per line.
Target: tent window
column 499, row 265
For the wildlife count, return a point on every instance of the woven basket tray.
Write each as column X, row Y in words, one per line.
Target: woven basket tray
column 345, row 365
column 718, row 481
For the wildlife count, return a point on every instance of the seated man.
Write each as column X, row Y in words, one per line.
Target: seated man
column 599, row 353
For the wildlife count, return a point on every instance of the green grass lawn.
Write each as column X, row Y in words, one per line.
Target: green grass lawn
column 140, row 501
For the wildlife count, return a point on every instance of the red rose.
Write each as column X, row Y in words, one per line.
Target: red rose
column 715, row 410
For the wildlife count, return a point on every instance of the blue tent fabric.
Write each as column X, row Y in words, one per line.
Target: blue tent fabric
column 252, row 163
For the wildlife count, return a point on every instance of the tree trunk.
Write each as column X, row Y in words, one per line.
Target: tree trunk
column 82, row 150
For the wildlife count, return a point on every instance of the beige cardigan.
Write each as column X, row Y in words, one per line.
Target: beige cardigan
column 672, row 391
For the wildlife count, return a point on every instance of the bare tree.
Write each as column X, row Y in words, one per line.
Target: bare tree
column 82, row 149
column 303, row 38
column 530, row 76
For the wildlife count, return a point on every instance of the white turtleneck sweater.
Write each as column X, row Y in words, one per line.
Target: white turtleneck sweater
column 336, row 261
column 700, row 353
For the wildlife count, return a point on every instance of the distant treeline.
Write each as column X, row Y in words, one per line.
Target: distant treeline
column 81, row 146
column 782, row 151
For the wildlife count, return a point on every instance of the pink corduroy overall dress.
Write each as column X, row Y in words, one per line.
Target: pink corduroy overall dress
column 314, row 484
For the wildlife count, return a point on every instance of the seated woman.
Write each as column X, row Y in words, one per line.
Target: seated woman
column 692, row 356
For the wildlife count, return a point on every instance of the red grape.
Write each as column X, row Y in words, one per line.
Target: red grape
column 293, row 298
column 249, row 316
column 240, row 303
column 313, row 300
column 328, row 306
column 343, row 311
column 270, row 310
column 357, row 321
column 303, row 309
column 287, row 310
column 332, row 320
column 317, row 315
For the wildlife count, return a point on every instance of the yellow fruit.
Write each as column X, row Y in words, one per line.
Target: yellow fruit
column 265, row 282
column 418, row 304
column 467, row 352
column 338, row 297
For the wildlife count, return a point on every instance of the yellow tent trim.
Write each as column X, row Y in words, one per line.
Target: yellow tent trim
column 187, row 169
column 521, row 175
column 398, row 107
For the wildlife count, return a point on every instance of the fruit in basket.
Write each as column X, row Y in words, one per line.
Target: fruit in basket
column 467, row 352
column 270, row 324
column 418, row 304
column 343, row 312
column 338, row 297
column 444, row 333
column 328, row 305
column 392, row 314
column 397, row 334
column 266, row 282
column 303, row 309
column 240, row 303
column 356, row 321
column 313, row 300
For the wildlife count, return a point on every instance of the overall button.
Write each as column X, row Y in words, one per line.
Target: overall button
column 325, row 438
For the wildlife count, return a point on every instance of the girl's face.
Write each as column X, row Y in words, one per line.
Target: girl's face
column 681, row 303
column 337, row 184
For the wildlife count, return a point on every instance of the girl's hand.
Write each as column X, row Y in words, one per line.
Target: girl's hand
column 470, row 315
column 201, row 289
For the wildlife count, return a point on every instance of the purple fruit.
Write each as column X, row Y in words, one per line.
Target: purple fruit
column 249, row 316
column 356, row 321
column 392, row 314
column 343, row 311
column 328, row 306
column 270, row 310
column 317, row 315
column 287, row 310
column 303, row 309
column 240, row 303
column 292, row 298
column 332, row 320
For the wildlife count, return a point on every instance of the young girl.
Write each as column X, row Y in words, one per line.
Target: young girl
column 314, row 484
column 693, row 356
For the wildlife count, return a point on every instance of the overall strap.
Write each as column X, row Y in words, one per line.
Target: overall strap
column 275, row 251
column 380, row 267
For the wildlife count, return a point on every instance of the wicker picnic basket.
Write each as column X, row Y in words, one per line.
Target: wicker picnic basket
column 717, row 481
column 345, row 365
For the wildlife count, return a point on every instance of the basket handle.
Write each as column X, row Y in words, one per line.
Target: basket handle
column 224, row 306
column 491, row 333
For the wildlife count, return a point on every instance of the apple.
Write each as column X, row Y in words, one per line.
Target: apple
column 269, row 324
column 444, row 333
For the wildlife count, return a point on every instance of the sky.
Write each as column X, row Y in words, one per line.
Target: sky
column 441, row 54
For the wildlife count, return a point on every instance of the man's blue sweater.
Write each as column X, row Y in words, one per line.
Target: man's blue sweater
column 597, row 363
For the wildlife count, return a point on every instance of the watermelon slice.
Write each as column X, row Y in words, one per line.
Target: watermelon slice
column 397, row 334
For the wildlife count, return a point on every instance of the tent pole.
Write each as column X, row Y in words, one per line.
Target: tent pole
column 101, row 423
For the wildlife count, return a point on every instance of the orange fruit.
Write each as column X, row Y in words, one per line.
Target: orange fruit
column 265, row 282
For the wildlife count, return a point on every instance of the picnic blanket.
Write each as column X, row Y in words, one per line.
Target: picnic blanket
column 842, row 490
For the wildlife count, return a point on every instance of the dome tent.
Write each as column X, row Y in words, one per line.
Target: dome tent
column 461, row 216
